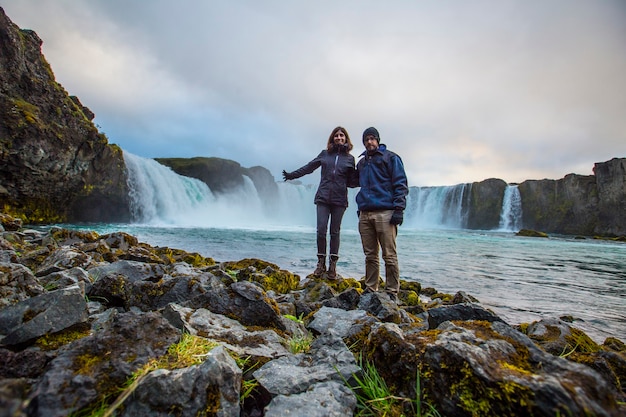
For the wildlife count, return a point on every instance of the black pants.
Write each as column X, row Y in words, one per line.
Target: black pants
column 335, row 213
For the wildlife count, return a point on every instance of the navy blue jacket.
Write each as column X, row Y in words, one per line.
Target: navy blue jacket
column 337, row 170
column 382, row 180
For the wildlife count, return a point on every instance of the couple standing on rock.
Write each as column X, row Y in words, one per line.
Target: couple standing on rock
column 381, row 202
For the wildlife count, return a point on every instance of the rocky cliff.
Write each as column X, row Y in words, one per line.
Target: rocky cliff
column 55, row 165
column 611, row 189
column 485, row 204
column 578, row 204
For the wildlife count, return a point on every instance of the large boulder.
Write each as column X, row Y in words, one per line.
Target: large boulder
column 477, row 368
column 46, row 313
column 100, row 363
column 210, row 388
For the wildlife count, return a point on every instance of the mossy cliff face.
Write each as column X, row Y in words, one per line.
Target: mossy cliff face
column 567, row 206
column 219, row 174
column 486, row 204
column 611, row 183
column 54, row 164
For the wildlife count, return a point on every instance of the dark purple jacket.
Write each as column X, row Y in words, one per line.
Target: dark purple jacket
column 337, row 171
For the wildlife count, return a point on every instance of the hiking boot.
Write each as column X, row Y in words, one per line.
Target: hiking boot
column 332, row 267
column 393, row 296
column 321, row 266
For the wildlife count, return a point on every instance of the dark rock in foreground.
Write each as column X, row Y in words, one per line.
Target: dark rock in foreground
column 91, row 322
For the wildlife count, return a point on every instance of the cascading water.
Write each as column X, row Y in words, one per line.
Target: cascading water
column 511, row 213
column 438, row 207
column 160, row 197
column 158, row 194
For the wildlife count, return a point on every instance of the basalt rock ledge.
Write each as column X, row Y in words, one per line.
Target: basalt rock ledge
column 93, row 324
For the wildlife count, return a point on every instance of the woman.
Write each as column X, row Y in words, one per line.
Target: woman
column 332, row 194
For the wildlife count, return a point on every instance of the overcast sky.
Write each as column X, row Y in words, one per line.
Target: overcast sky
column 462, row 90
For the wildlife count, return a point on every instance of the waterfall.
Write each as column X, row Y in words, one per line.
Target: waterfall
column 438, row 207
column 158, row 194
column 511, row 213
column 161, row 197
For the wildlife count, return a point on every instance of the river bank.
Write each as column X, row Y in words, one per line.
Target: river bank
column 83, row 312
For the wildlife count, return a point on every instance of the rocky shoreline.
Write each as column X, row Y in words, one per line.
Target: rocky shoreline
column 107, row 325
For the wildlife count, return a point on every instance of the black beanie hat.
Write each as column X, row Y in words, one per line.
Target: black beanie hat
column 373, row 132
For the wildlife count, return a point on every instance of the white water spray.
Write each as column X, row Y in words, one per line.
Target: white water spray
column 160, row 197
column 511, row 213
column 438, row 207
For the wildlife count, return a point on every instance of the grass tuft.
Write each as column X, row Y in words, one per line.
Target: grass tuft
column 300, row 342
column 374, row 398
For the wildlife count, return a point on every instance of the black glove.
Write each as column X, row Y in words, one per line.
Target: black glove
column 397, row 217
column 287, row 175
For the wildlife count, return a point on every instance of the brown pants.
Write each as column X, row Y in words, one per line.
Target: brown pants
column 376, row 232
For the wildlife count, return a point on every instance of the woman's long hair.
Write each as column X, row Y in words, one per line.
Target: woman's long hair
column 331, row 139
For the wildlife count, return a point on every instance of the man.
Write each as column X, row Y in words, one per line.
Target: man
column 381, row 203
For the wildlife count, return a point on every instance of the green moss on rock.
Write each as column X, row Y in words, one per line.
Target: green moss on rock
column 267, row 274
column 531, row 233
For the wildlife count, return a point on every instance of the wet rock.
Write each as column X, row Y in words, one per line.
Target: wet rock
column 254, row 343
column 101, row 363
column 531, row 233
column 62, row 259
column 210, row 388
column 326, row 399
column 557, row 336
column 380, row 306
column 467, row 365
column 29, row 363
column 394, row 356
column 346, row 300
column 328, row 360
column 17, row 283
column 244, row 300
column 66, row 278
column 345, row 324
column 462, row 297
column 47, row 313
column 465, row 312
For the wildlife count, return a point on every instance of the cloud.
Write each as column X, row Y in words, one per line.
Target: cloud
column 463, row 91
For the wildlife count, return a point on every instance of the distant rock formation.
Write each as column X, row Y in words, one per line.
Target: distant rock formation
column 485, row 204
column 578, row 204
column 611, row 183
column 54, row 164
